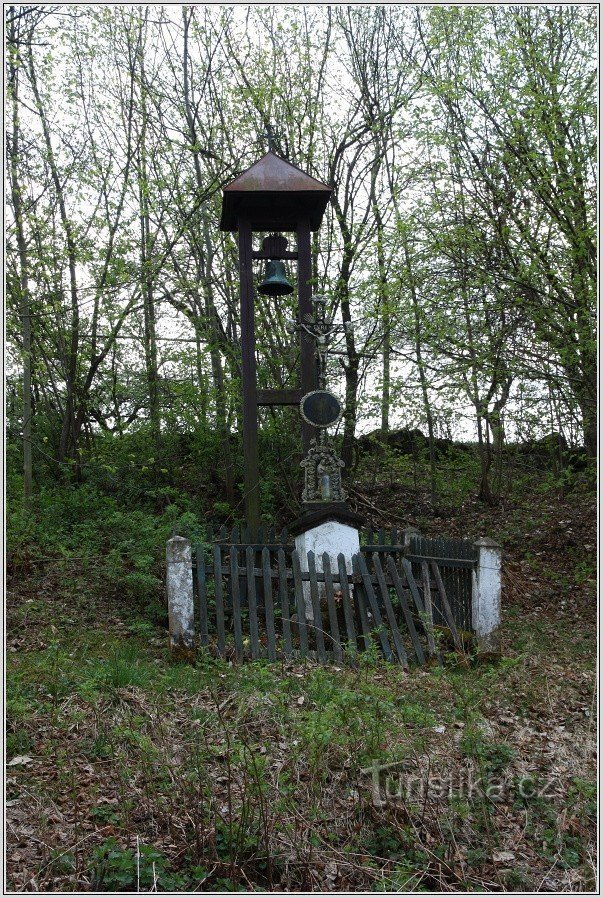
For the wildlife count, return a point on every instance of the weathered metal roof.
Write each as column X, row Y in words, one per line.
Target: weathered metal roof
column 274, row 194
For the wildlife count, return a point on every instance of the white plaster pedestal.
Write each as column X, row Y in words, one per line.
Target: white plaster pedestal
column 331, row 530
column 181, row 602
column 487, row 587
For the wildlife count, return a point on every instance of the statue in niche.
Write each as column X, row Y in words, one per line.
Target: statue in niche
column 322, row 472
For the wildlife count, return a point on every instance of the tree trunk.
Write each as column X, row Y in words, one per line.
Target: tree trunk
column 146, row 251
column 422, row 375
column 204, row 267
column 68, row 438
column 589, row 426
column 385, row 323
column 485, row 459
column 24, row 297
column 350, row 368
column 588, row 402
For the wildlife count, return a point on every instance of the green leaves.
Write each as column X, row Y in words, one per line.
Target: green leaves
column 469, row 132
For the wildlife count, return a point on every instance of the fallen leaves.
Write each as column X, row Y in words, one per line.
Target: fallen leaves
column 20, row 760
column 539, row 708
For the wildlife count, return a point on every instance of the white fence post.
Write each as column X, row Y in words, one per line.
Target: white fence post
column 485, row 605
column 181, row 608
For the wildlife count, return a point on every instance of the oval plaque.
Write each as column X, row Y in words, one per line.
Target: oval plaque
column 320, row 408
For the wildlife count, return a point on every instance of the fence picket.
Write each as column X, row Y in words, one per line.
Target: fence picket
column 428, row 610
column 318, row 630
column 457, row 599
column 300, row 604
column 443, row 548
column 236, row 604
column 333, row 622
column 410, row 579
column 252, row 604
column 202, row 595
column 444, row 568
column 269, row 605
column 219, row 601
column 361, row 605
column 403, row 657
column 233, row 540
column 284, row 603
column 374, row 604
column 446, row 607
column 346, row 600
column 401, row 593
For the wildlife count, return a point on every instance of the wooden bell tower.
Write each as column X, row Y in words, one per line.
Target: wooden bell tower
column 272, row 195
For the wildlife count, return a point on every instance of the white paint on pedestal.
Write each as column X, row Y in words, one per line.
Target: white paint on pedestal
column 487, row 595
column 333, row 538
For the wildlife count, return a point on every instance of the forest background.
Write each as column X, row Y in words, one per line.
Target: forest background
column 461, row 145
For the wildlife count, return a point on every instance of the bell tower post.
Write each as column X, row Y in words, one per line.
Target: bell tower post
column 306, row 347
column 273, row 195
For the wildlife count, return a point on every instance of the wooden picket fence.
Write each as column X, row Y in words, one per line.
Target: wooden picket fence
column 456, row 560
column 255, row 601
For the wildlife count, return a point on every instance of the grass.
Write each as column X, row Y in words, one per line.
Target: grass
column 261, row 776
column 136, row 773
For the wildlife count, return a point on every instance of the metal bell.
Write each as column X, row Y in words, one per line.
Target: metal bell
column 275, row 282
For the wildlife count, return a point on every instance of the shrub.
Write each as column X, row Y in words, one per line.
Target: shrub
column 115, row 869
